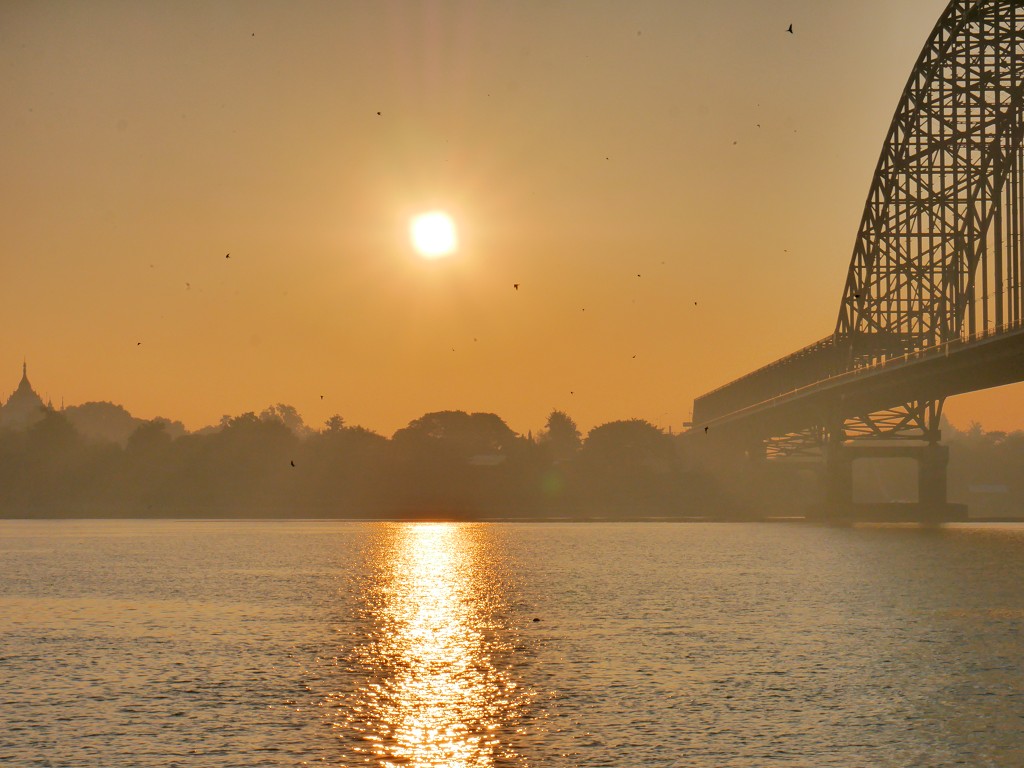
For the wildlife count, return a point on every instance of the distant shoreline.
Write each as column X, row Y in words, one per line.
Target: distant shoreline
column 503, row 520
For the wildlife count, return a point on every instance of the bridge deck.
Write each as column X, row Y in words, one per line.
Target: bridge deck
column 757, row 402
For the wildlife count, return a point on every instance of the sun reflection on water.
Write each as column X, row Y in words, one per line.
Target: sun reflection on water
column 437, row 693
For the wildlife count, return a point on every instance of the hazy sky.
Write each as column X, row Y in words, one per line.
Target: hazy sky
column 675, row 186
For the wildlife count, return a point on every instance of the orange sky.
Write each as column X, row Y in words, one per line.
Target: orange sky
column 578, row 145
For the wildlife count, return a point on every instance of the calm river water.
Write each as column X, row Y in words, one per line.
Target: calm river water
column 390, row 644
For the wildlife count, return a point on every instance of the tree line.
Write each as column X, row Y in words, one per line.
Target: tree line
column 99, row 462
column 446, row 464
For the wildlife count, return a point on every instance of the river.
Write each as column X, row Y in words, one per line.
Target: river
column 165, row 643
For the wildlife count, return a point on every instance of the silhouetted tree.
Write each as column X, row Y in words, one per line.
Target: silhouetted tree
column 244, row 469
column 455, row 462
column 102, row 421
column 287, row 415
column 443, row 463
column 560, row 438
column 457, row 433
column 61, row 473
column 344, row 470
column 985, row 470
column 149, row 438
column 629, row 468
column 334, row 424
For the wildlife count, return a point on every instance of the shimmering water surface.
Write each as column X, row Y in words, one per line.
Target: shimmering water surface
column 390, row 644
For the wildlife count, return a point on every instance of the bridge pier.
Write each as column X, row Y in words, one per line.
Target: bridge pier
column 838, row 476
column 932, row 461
column 932, row 505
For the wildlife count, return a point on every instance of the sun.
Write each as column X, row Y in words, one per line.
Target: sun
column 433, row 234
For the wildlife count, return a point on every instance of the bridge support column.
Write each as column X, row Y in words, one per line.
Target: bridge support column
column 932, row 461
column 838, row 476
column 931, row 506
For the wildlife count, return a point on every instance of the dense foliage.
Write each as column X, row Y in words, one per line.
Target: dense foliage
column 98, row 462
column 443, row 464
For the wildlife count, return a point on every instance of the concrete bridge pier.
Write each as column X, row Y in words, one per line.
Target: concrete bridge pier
column 932, row 461
column 838, row 477
column 932, row 505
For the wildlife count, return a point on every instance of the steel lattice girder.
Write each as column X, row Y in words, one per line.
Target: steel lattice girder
column 952, row 144
column 934, row 299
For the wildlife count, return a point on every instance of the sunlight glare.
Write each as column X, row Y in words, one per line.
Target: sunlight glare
column 433, row 234
column 439, row 694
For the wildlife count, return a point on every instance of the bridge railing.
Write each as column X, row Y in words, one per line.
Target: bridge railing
column 811, row 363
column 808, row 368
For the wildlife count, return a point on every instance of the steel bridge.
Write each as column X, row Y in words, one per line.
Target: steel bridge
column 934, row 299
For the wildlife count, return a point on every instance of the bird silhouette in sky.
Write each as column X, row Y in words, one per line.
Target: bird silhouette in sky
column 705, row 430
column 790, row 29
column 292, row 463
column 516, row 286
column 227, row 255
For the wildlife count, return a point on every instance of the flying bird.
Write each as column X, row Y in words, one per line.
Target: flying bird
column 292, row 463
column 516, row 286
column 321, row 397
column 705, row 430
column 227, row 255
column 790, row 29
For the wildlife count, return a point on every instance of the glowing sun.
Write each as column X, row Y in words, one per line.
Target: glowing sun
column 433, row 234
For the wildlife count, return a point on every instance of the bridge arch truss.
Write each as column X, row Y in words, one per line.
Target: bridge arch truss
column 939, row 252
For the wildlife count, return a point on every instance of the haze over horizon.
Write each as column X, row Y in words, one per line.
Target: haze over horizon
column 674, row 187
